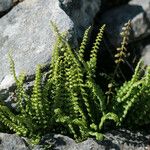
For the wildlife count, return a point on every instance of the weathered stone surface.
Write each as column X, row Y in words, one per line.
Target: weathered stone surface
column 116, row 139
column 137, row 11
column 81, row 12
column 5, row 5
column 146, row 54
column 26, row 31
column 108, row 4
column 12, row 142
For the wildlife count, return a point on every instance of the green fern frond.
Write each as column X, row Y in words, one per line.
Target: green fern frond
column 142, row 104
column 110, row 116
column 131, row 92
column 127, row 86
column 12, row 121
column 12, row 68
column 37, row 102
column 83, row 45
column 93, row 56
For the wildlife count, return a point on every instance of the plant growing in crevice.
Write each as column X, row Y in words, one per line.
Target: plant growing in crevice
column 70, row 97
column 34, row 116
column 70, row 94
column 119, row 58
column 132, row 100
column 131, row 97
column 81, row 104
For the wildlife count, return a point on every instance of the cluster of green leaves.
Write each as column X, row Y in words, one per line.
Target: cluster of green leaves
column 79, row 102
column 132, row 101
column 34, row 110
column 71, row 98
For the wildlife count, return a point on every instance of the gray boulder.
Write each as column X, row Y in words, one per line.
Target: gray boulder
column 26, row 32
column 137, row 11
column 5, row 5
column 108, row 4
column 115, row 139
column 146, row 54
column 12, row 142
column 81, row 12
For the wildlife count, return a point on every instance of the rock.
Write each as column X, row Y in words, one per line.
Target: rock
column 5, row 5
column 108, row 4
column 115, row 139
column 81, row 12
column 57, row 141
column 137, row 11
column 12, row 142
column 26, row 31
column 126, row 139
column 146, row 54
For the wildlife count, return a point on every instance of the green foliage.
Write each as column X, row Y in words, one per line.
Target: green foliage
column 70, row 97
column 34, row 110
column 133, row 98
column 79, row 102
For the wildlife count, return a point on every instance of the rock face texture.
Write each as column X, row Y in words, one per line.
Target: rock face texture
column 12, row 142
column 108, row 4
column 5, row 5
column 146, row 54
column 137, row 11
column 81, row 12
column 121, row 139
column 26, row 32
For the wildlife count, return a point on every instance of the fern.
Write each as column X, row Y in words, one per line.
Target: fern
column 95, row 48
column 15, row 123
column 70, row 94
column 131, row 94
column 84, row 99
column 71, row 98
column 142, row 102
column 34, row 109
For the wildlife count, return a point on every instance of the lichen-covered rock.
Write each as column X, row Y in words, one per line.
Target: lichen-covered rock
column 137, row 11
column 26, row 32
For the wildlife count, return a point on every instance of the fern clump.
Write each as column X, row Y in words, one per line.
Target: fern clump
column 71, row 98
column 70, row 95
column 34, row 110
column 133, row 98
column 79, row 103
